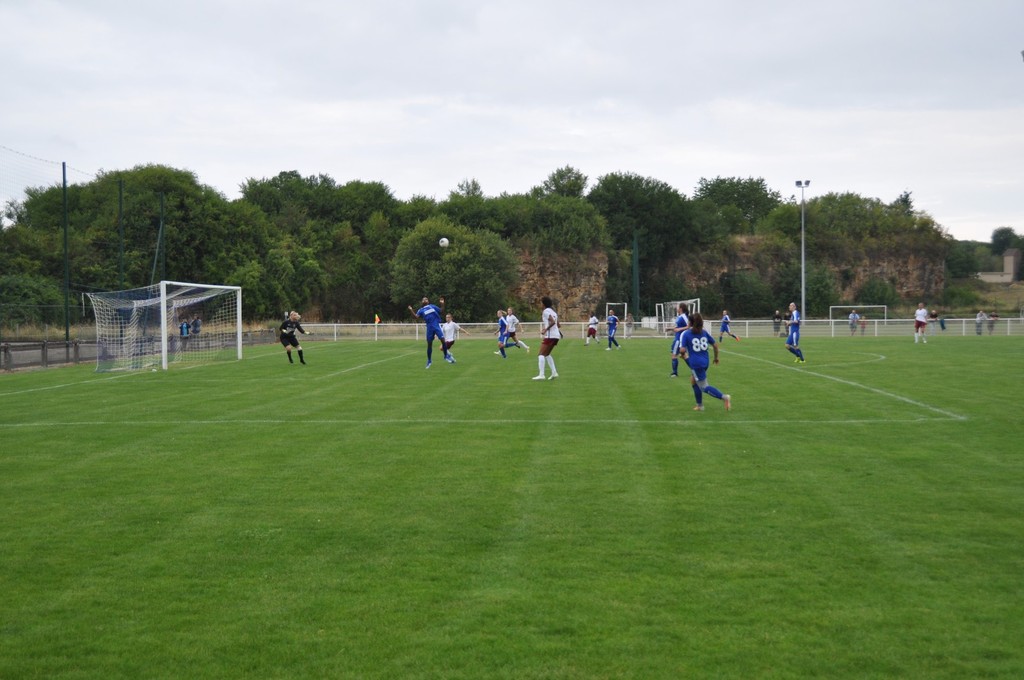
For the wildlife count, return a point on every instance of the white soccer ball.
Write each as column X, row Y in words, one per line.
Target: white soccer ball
column 443, row 243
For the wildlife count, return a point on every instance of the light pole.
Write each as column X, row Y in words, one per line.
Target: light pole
column 803, row 250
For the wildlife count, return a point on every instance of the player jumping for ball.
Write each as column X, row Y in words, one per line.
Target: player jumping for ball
column 431, row 315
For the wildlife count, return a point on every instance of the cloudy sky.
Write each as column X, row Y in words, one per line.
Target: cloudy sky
column 875, row 97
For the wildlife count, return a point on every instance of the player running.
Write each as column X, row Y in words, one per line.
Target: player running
column 288, row 338
column 695, row 342
column 451, row 331
column 513, row 328
column 592, row 329
column 723, row 328
column 682, row 323
column 431, row 315
column 502, row 333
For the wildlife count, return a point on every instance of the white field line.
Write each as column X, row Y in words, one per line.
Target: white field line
column 366, row 365
column 945, row 415
column 269, row 422
column 890, row 395
column 63, row 385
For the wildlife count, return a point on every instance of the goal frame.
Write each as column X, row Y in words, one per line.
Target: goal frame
column 123, row 317
column 666, row 311
column 848, row 308
column 165, row 336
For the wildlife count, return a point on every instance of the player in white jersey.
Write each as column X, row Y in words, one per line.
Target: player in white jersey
column 513, row 327
column 451, row 331
column 550, row 333
column 920, row 323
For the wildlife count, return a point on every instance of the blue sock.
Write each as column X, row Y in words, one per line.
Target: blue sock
column 503, row 355
column 713, row 391
column 697, row 395
column 675, row 366
column 800, row 353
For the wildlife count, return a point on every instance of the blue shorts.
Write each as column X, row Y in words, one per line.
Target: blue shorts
column 793, row 339
column 699, row 372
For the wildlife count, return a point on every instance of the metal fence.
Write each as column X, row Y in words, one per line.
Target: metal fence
column 28, row 353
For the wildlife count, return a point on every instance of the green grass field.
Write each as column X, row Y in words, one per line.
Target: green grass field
column 861, row 515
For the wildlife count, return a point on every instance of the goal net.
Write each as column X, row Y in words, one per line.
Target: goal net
column 668, row 311
column 169, row 322
column 621, row 311
column 855, row 316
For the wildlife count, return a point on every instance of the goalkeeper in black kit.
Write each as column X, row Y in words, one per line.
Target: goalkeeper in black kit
column 288, row 339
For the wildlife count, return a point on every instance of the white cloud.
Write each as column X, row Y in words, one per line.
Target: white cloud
column 875, row 98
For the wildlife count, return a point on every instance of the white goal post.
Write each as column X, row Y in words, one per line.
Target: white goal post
column 840, row 315
column 620, row 309
column 667, row 312
column 169, row 322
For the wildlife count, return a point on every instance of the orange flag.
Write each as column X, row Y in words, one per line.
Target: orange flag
column 376, row 319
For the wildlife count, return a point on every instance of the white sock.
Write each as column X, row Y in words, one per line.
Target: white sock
column 551, row 365
column 540, row 365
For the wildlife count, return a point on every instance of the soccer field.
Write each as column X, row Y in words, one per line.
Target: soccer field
column 860, row 515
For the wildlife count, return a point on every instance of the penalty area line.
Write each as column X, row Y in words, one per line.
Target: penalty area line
column 366, row 365
column 391, row 422
column 890, row 395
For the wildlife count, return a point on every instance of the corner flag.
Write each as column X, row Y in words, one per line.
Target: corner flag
column 376, row 319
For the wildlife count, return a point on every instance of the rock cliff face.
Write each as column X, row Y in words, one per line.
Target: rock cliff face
column 576, row 282
column 913, row 276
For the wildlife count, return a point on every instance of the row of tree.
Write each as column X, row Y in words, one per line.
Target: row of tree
column 351, row 250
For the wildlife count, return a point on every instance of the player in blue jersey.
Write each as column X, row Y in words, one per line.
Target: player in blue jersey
column 431, row 315
column 613, row 326
column 695, row 343
column 502, row 333
column 793, row 339
column 682, row 323
column 723, row 329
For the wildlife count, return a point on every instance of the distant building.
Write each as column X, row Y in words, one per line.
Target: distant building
column 1011, row 265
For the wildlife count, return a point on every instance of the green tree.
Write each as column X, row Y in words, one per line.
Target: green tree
column 750, row 198
column 30, row 299
column 822, row 291
column 567, row 181
column 962, row 261
column 1003, row 239
column 473, row 274
column 747, row 294
column 877, row 291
